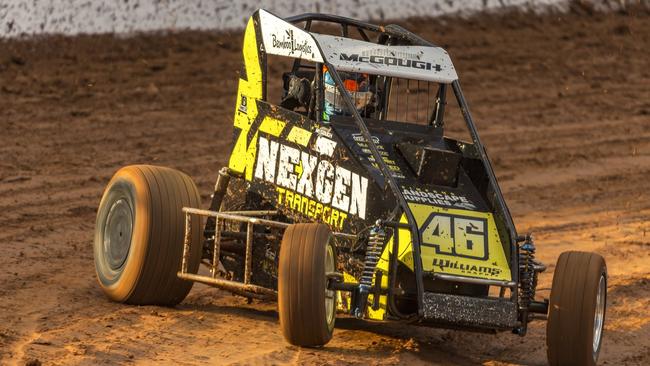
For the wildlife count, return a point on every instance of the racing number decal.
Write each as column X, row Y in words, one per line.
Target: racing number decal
column 459, row 236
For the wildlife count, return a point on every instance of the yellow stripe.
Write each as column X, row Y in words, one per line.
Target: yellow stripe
column 242, row 157
column 272, row 126
column 299, row 135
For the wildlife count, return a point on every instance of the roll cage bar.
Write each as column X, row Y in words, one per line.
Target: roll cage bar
column 391, row 30
column 387, row 35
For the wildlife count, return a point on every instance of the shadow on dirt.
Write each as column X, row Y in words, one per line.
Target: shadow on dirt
column 354, row 337
column 257, row 313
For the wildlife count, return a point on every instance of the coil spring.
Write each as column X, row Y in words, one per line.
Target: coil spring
column 373, row 252
column 527, row 273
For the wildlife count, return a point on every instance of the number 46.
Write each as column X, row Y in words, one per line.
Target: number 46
column 456, row 235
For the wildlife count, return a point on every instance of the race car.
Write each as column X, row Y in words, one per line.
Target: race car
column 345, row 192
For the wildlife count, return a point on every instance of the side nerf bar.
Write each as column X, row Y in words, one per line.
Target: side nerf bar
column 251, row 218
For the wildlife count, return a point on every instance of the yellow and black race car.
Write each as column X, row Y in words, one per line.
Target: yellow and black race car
column 345, row 192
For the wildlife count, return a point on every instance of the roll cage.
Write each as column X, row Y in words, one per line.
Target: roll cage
column 393, row 35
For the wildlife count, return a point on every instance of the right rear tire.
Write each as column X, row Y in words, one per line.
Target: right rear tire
column 307, row 308
column 576, row 314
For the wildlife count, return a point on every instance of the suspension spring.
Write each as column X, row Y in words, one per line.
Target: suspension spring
column 527, row 273
column 373, row 252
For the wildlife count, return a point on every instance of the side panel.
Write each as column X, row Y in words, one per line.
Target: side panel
column 460, row 242
column 250, row 90
column 305, row 171
column 454, row 241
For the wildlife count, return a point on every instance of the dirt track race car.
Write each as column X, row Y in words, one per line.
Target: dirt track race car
column 345, row 192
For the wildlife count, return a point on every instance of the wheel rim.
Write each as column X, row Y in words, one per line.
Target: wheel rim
column 599, row 316
column 330, row 295
column 117, row 234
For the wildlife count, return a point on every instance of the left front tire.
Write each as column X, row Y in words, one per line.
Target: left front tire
column 139, row 235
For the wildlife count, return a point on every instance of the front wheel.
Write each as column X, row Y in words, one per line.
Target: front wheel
column 139, row 235
column 307, row 308
column 576, row 317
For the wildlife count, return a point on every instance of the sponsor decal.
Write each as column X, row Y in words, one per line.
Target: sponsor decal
column 311, row 208
column 243, row 104
column 324, row 131
column 287, row 41
column 360, row 139
column 390, row 61
column 437, row 198
column 305, row 183
column 394, row 169
column 324, row 146
column 459, row 236
column 283, row 39
column 470, row 269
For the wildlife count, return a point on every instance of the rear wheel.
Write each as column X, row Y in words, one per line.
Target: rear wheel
column 577, row 309
column 139, row 235
column 307, row 308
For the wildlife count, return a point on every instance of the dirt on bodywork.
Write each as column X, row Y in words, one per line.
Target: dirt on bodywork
column 562, row 103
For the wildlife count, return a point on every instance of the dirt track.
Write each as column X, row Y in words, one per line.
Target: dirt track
column 562, row 103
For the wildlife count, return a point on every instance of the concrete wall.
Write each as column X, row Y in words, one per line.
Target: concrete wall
column 32, row 17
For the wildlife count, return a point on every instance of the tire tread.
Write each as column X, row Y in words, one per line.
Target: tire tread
column 167, row 191
column 571, row 308
column 301, row 285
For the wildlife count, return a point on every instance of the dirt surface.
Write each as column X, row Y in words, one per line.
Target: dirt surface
column 562, row 103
